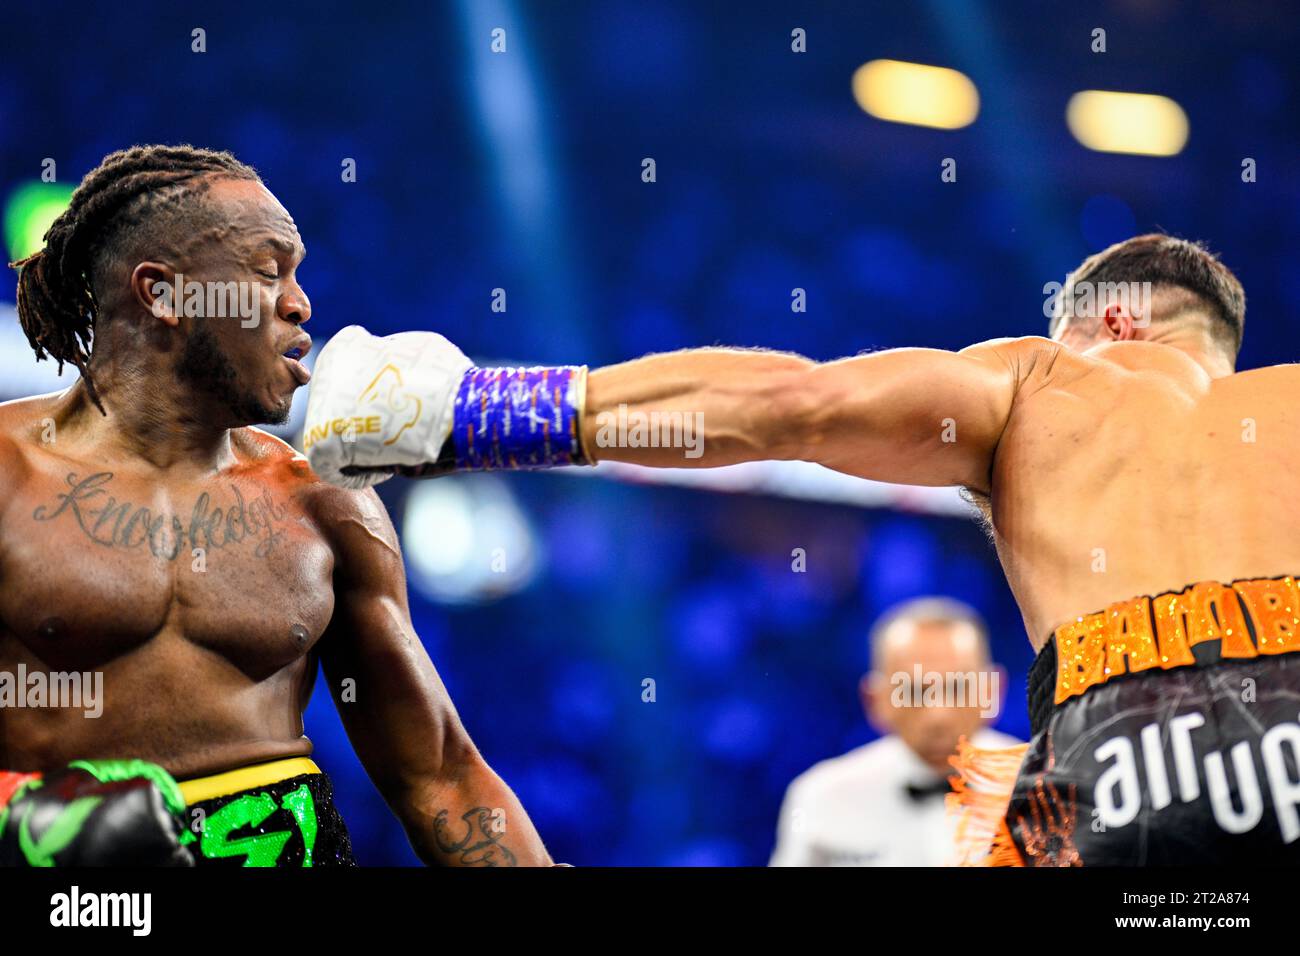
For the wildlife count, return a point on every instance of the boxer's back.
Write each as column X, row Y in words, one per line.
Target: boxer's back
column 1128, row 470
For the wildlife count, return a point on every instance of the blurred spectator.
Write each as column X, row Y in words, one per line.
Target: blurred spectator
column 931, row 682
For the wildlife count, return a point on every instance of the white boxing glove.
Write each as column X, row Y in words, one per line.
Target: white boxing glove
column 380, row 403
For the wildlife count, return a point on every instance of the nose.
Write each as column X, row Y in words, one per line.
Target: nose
column 294, row 306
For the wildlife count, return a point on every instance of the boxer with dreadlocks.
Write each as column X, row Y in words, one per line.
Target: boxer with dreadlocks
column 154, row 543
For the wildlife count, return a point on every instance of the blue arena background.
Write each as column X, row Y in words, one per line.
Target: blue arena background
column 522, row 171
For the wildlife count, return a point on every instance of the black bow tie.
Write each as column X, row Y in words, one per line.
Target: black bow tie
column 924, row 791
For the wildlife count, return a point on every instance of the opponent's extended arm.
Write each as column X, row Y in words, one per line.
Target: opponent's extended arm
column 455, row 809
column 414, row 404
column 912, row 416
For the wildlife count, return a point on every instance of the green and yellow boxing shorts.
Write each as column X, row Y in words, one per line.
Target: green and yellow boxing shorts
column 278, row 814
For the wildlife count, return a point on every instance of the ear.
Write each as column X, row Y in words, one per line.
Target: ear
column 875, row 702
column 1117, row 320
column 153, row 284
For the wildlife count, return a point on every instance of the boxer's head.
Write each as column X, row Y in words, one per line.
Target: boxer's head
column 1151, row 287
column 943, row 642
column 172, row 272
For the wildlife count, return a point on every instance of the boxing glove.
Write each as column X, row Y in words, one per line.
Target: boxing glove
column 92, row 813
column 385, row 405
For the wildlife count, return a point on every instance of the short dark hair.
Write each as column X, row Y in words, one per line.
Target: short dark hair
column 1168, row 262
column 142, row 188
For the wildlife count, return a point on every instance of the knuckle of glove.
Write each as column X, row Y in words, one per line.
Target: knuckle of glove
column 73, row 819
column 380, row 404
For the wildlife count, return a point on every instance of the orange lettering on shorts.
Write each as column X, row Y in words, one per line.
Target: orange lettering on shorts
column 1130, row 644
column 1080, row 655
column 1171, row 610
column 1217, row 616
column 1272, row 606
column 1092, row 649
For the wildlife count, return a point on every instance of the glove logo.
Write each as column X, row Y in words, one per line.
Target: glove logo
column 66, row 827
column 397, row 398
column 57, row 835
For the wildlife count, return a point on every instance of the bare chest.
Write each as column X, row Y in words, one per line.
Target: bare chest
column 94, row 566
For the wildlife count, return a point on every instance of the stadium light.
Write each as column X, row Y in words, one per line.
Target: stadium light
column 917, row 94
column 467, row 542
column 1141, row 124
column 28, row 214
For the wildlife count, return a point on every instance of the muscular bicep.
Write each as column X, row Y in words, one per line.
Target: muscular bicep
column 393, row 704
column 912, row 416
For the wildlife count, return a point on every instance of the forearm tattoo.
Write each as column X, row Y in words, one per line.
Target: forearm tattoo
column 481, row 843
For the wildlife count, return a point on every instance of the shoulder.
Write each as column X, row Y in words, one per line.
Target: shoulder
column 25, row 422
column 23, row 418
column 1023, row 353
column 1034, row 361
column 256, row 445
column 12, row 463
column 347, row 518
column 277, row 461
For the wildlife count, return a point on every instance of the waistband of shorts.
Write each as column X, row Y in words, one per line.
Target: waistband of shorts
column 245, row 778
column 1200, row 625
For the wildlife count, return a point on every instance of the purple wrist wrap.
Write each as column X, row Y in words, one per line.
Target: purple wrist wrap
column 517, row 418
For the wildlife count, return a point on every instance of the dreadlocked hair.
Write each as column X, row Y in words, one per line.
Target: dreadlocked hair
column 56, row 285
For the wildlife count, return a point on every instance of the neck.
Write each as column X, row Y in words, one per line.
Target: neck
column 145, row 422
column 1198, row 345
column 1193, row 339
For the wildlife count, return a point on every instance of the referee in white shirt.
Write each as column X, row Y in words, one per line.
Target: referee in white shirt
column 931, row 682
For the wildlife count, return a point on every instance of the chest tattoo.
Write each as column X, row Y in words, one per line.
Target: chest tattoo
column 257, row 522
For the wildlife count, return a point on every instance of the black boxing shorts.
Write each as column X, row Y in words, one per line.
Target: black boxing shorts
column 279, row 814
column 1166, row 731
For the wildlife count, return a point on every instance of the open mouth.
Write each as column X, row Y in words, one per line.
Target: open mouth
column 296, row 368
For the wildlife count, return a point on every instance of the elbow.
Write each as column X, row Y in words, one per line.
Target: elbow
column 795, row 416
column 419, row 798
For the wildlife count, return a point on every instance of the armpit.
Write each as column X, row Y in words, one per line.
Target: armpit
column 982, row 505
